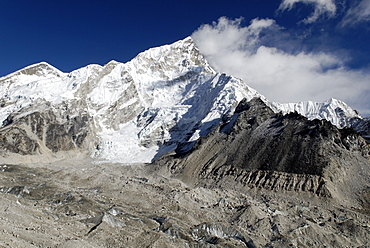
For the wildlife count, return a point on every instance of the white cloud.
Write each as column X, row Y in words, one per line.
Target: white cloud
column 321, row 7
column 232, row 34
column 279, row 75
column 358, row 13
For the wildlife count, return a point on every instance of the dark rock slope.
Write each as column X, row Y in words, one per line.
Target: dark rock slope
column 258, row 148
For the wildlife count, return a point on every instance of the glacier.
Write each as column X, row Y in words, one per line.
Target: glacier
column 163, row 99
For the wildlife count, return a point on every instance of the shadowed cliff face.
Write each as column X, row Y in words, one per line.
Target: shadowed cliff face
column 259, row 139
column 258, row 148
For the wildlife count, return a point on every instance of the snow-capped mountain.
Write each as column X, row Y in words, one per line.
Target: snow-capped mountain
column 139, row 110
column 333, row 110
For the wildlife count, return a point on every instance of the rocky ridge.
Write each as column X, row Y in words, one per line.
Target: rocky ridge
column 258, row 148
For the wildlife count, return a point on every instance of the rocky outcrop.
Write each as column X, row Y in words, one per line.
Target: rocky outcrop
column 258, row 148
column 32, row 132
column 16, row 140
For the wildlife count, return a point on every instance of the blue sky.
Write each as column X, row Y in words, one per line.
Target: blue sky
column 289, row 50
column 71, row 34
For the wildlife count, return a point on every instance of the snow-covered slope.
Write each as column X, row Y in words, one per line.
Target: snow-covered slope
column 167, row 94
column 141, row 109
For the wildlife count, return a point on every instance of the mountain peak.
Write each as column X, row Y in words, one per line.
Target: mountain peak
column 176, row 57
column 38, row 69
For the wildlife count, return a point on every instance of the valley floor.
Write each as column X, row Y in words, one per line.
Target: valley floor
column 79, row 203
